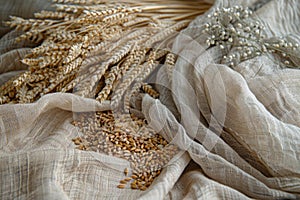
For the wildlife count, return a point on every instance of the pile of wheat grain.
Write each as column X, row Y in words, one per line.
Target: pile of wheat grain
column 147, row 151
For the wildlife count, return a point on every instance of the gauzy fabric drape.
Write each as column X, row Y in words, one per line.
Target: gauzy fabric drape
column 238, row 128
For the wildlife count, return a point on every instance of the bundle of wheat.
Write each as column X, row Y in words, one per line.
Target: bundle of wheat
column 96, row 48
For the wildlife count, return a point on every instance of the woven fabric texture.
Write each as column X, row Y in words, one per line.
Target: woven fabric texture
column 238, row 128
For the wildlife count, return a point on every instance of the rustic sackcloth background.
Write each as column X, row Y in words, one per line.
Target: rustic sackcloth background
column 250, row 148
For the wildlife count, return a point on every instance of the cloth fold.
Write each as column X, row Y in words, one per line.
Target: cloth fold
column 237, row 128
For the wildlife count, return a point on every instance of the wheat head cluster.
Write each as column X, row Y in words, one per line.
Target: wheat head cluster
column 104, row 49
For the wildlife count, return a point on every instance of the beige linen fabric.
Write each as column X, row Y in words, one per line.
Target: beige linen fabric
column 238, row 129
column 22, row 8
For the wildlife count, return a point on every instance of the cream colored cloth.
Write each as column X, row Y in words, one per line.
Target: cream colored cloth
column 238, row 128
column 22, row 8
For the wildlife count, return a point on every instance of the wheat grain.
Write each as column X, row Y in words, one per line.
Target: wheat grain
column 167, row 32
column 7, row 87
column 46, row 47
column 99, row 70
column 83, row 2
column 69, row 86
column 170, row 63
column 75, row 64
column 132, row 60
column 149, row 90
column 54, row 15
column 50, row 61
column 74, row 52
column 76, row 9
column 65, row 81
column 128, row 79
column 62, row 77
column 109, row 81
column 147, row 69
column 121, row 186
column 146, row 150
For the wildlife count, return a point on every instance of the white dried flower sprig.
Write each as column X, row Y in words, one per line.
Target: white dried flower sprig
column 242, row 37
column 286, row 49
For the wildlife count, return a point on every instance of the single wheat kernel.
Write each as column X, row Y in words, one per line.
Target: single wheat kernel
column 121, row 186
column 134, row 177
column 128, row 179
column 133, row 186
column 126, row 171
column 77, row 142
column 143, row 188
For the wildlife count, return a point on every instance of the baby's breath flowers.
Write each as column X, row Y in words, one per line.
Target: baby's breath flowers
column 242, row 37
